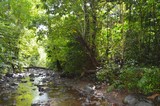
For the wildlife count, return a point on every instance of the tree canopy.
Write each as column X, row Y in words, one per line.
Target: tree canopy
column 76, row 36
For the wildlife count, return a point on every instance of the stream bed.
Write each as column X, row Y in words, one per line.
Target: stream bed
column 41, row 87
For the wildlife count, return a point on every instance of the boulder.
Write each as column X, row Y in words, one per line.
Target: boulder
column 137, row 100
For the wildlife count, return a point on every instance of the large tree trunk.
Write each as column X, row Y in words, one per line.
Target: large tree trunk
column 89, row 51
column 87, row 38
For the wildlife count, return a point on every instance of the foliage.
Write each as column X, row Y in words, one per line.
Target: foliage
column 74, row 24
column 81, row 35
column 149, row 81
column 142, row 80
column 76, row 59
column 29, row 48
column 15, row 16
column 108, row 73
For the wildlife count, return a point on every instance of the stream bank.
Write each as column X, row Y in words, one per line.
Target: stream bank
column 43, row 87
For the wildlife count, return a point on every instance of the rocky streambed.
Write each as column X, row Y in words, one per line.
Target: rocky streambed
column 42, row 87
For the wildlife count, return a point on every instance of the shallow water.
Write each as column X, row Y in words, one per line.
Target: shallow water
column 43, row 93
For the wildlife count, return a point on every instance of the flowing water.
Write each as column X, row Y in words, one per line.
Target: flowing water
column 41, row 89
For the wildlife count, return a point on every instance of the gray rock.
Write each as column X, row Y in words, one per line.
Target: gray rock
column 32, row 75
column 35, row 104
column 31, row 79
column 137, row 100
column 14, row 84
column 9, row 75
column 144, row 103
column 89, row 89
column 130, row 100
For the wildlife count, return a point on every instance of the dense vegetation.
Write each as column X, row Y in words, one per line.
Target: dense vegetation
column 121, row 36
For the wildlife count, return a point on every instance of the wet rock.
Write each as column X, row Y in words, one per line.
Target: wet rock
column 44, row 89
column 20, row 76
column 48, row 74
column 100, row 96
column 41, row 74
column 9, row 75
column 23, row 81
column 1, row 76
column 137, row 100
column 36, row 75
column 41, row 89
column 12, row 88
column 45, row 80
column 14, row 84
column 34, row 89
column 5, row 98
column 89, row 89
column 144, row 103
column 32, row 79
column 98, row 87
column 2, row 81
column 32, row 75
column 92, row 103
column 35, row 104
column 41, row 93
column 130, row 99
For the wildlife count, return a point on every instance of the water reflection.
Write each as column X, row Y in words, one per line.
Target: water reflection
column 38, row 91
column 41, row 98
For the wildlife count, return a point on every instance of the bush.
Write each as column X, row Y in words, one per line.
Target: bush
column 135, row 79
column 108, row 73
column 76, row 59
column 150, row 80
column 144, row 80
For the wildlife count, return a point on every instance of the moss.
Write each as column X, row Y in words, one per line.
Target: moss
column 25, row 92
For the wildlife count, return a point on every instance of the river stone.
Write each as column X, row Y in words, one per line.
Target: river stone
column 144, row 103
column 24, row 81
column 35, row 104
column 1, row 81
column 89, row 89
column 5, row 98
column 130, row 100
column 9, row 75
column 32, row 79
column 32, row 75
column 137, row 100
column 14, row 84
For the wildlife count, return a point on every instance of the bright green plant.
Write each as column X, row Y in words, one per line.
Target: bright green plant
column 144, row 80
column 150, row 80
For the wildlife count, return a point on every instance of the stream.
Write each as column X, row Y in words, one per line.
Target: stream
column 41, row 87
